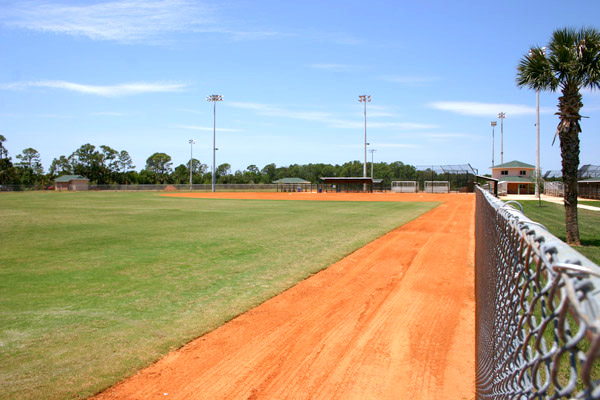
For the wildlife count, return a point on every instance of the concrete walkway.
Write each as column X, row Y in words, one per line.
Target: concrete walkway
column 551, row 199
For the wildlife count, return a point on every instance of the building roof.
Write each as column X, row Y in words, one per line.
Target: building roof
column 520, row 179
column 590, row 180
column 291, row 180
column 69, row 178
column 514, row 164
column 350, row 179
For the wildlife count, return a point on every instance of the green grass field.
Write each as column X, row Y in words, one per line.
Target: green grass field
column 94, row 286
column 593, row 203
column 552, row 216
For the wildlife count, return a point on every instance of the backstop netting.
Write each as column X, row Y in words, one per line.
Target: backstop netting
column 404, row 186
column 538, row 310
column 461, row 177
column 437, row 187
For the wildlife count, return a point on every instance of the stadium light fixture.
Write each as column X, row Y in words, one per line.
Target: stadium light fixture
column 365, row 99
column 493, row 124
column 214, row 98
column 501, row 115
column 372, row 151
column 192, row 143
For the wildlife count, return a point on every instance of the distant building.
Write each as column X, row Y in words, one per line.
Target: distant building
column 71, row 182
column 514, row 177
column 293, row 185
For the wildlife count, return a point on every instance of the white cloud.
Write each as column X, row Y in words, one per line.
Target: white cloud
column 327, row 118
column 205, row 128
column 484, row 109
column 385, row 145
column 109, row 114
column 334, row 67
column 274, row 111
column 124, row 89
column 411, row 80
column 129, row 21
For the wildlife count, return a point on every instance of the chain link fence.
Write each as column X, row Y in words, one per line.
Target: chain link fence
column 538, row 310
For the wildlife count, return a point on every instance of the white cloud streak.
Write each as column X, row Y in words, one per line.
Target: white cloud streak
column 128, row 21
column 124, row 89
column 334, row 67
column 327, row 118
column 484, row 109
column 205, row 128
column 410, row 80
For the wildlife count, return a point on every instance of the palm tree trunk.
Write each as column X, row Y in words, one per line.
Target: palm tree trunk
column 568, row 131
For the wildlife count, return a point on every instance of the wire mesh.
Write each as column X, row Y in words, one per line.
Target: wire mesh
column 538, row 308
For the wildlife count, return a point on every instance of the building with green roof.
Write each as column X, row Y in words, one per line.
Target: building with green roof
column 514, row 177
column 71, row 182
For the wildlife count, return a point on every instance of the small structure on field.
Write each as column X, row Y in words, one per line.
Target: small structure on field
column 71, row 182
column 293, row 185
column 514, row 177
column 589, row 188
column 351, row 184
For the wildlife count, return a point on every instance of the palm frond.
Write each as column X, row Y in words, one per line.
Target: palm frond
column 534, row 71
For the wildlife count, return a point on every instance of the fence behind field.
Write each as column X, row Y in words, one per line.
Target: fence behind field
column 538, row 310
column 555, row 188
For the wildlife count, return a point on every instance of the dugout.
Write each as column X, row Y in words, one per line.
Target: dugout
column 351, row 184
column 589, row 188
column 293, row 185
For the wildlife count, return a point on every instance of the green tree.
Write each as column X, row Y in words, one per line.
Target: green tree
column 3, row 151
column 29, row 168
column 87, row 161
column 269, row 172
column 110, row 164
column 60, row 166
column 159, row 164
column 223, row 172
column 572, row 64
column 125, row 166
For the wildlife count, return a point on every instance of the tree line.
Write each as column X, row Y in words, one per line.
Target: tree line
column 105, row 165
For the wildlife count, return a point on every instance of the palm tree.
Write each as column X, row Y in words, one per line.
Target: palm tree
column 572, row 63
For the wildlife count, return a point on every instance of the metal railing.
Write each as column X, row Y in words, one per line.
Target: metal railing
column 538, row 310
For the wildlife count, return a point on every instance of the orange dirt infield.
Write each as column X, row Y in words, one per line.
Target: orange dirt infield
column 393, row 320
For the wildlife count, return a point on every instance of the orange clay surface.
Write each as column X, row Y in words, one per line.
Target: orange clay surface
column 393, row 320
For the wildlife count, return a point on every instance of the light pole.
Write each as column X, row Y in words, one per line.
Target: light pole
column 493, row 124
column 501, row 115
column 192, row 143
column 372, row 151
column 365, row 99
column 214, row 98
column 537, row 130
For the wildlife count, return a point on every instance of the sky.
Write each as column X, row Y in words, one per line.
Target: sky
column 134, row 75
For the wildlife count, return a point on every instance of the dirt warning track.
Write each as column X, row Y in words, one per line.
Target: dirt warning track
column 393, row 320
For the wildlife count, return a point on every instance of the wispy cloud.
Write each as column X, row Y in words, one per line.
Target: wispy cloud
column 274, row 111
column 109, row 114
column 129, row 21
column 334, row 67
column 329, row 119
column 446, row 135
column 206, row 128
column 124, row 89
column 385, row 145
column 410, row 80
column 483, row 109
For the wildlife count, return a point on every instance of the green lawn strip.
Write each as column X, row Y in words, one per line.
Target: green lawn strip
column 552, row 216
column 590, row 203
column 94, row 286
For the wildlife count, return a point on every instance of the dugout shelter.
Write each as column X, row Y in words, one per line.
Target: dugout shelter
column 351, row 184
